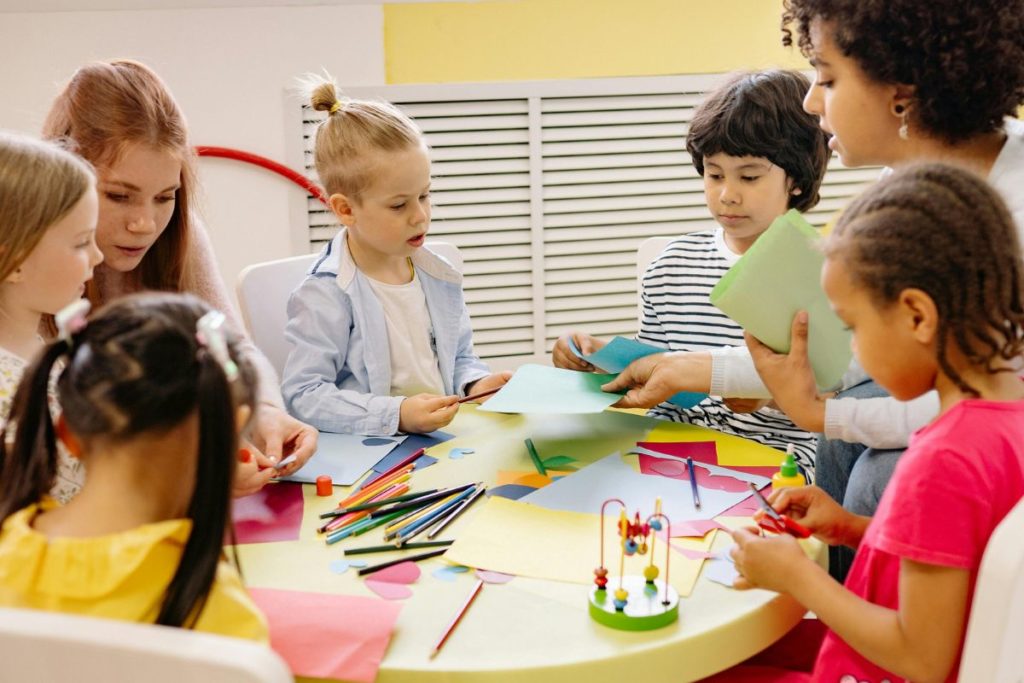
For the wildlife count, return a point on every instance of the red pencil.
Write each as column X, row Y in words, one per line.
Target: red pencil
column 458, row 616
column 397, row 466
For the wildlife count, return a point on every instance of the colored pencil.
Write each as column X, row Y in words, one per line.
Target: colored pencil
column 408, row 531
column 356, row 528
column 391, row 548
column 693, row 482
column 458, row 616
column 382, row 496
column 482, row 394
column 393, row 530
column 407, row 460
column 536, row 458
column 437, row 495
column 446, row 520
column 398, row 560
column 376, row 504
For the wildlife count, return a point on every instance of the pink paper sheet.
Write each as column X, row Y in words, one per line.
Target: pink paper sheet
column 272, row 514
column 328, row 636
column 700, row 451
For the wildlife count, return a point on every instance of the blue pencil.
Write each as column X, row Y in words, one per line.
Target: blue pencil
column 693, row 482
column 428, row 520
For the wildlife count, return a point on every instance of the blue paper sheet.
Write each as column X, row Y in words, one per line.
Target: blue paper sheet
column 345, row 457
column 620, row 352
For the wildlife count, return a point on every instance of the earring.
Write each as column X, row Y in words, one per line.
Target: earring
column 904, row 131
column 796, row 191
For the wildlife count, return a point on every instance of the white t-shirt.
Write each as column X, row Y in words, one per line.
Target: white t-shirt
column 414, row 367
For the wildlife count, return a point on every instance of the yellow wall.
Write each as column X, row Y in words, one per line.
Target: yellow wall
column 498, row 40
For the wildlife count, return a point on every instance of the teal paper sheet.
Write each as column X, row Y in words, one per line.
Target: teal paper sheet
column 620, row 352
column 543, row 389
column 777, row 277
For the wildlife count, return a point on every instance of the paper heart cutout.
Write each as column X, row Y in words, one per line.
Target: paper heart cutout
column 341, row 566
column 458, row 453
column 403, row 572
column 510, row 491
column 448, row 573
column 376, row 441
column 389, row 591
column 705, row 478
column 487, row 576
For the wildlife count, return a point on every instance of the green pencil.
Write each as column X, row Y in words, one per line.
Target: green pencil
column 536, row 458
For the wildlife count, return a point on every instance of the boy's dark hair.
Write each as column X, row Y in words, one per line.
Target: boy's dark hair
column 965, row 58
column 137, row 368
column 760, row 114
column 945, row 231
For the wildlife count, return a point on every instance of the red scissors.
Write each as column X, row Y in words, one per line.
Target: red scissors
column 775, row 522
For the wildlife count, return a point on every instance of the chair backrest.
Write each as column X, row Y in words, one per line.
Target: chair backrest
column 264, row 288
column 50, row 646
column 993, row 650
column 645, row 253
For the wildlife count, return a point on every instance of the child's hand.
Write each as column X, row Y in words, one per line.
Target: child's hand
column 745, row 405
column 494, row 380
column 426, row 412
column 563, row 357
column 765, row 562
column 816, row 510
column 253, row 471
column 281, row 435
column 789, row 377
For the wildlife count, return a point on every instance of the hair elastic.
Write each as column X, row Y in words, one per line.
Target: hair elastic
column 335, row 107
column 71, row 319
column 210, row 335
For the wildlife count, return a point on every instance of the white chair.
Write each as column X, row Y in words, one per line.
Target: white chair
column 645, row 253
column 50, row 646
column 264, row 288
column 993, row 649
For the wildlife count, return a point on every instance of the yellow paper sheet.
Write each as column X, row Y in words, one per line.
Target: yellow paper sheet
column 526, row 540
column 732, row 450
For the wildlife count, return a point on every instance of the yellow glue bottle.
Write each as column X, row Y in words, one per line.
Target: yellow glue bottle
column 788, row 474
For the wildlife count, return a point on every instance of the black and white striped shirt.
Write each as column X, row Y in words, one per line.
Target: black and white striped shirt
column 678, row 315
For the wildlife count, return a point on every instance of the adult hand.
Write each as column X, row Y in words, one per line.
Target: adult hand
column 426, row 412
column 495, row 380
column 279, row 435
column 790, row 378
column 656, row 378
column 770, row 562
column 253, row 471
column 816, row 510
column 563, row 357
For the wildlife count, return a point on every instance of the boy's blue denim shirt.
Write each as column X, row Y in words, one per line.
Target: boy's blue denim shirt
column 338, row 374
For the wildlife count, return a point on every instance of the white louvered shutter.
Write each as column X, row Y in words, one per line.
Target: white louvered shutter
column 548, row 188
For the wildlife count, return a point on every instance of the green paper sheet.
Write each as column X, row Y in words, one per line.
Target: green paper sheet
column 777, row 277
column 543, row 389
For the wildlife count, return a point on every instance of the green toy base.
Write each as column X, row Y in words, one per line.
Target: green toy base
column 645, row 609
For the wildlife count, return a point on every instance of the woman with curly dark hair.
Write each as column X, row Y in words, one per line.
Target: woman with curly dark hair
column 898, row 81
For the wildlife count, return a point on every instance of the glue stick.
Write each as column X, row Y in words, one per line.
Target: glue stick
column 788, row 474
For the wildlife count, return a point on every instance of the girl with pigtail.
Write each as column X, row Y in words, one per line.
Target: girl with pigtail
column 154, row 394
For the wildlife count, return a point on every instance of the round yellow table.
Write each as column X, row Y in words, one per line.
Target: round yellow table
column 530, row 629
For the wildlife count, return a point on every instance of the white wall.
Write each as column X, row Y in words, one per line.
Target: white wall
column 229, row 70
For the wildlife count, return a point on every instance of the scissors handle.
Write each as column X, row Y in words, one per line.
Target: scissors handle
column 784, row 525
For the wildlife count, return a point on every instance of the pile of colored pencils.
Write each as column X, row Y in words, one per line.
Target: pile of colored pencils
column 403, row 515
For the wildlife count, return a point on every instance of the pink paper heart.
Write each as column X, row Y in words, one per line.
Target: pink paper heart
column 487, row 576
column 388, row 590
column 402, row 573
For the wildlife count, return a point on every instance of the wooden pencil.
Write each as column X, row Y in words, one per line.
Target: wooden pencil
column 458, row 616
column 398, row 560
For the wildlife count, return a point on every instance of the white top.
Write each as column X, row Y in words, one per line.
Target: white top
column 414, row 367
column 880, row 422
column 70, row 472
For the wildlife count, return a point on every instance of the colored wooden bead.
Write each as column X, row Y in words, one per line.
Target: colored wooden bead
column 621, row 594
column 601, row 582
column 324, row 485
column 656, row 524
column 651, row 573
column 620, row 605
column 642, row 548
column 600, row 572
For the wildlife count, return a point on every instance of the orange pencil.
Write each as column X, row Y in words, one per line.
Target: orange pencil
column 458, row 616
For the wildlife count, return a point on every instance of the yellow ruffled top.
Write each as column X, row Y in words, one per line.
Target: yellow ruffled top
column 117, row 576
